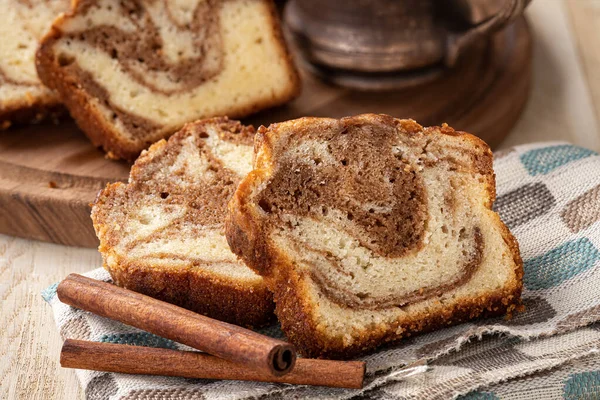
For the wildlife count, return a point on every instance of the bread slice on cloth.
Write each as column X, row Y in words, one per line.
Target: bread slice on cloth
column 369, row 229
column 23, row 98
column 162, row 233
column 133, row 72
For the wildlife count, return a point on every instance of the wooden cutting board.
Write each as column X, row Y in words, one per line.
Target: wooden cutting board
column 49, row 173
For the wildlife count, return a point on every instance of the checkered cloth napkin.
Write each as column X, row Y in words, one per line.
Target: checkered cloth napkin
column 549, row 196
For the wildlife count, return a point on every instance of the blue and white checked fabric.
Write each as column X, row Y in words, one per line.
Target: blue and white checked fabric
column 549, row 196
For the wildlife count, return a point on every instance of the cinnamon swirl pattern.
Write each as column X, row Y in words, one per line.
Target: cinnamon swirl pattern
column 369, row 229
column 162, row 233
column 135, row 71
column 22, row 95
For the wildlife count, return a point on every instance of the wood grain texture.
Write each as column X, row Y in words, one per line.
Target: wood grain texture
column 49, row 174
column 29, row 341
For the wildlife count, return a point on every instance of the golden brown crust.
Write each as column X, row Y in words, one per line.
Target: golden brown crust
column 100, row 131
column 243, row 302
column 33, row 102
column 304, row 333
column 248, row 238
column 199, row 292
column 77, row 101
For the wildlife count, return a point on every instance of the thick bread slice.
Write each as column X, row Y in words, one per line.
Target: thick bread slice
column 23, row 98
column 162, row 233
column 369, row 229
column 133, row 72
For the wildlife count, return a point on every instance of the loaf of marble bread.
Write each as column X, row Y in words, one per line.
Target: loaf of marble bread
column 370, row 229
column 23, row 97
column 133, row 72
column 162, row 233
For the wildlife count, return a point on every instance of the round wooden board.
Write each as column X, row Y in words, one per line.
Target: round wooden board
column 49, row 174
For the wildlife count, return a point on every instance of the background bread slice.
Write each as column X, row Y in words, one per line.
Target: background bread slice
column 162, row 233
column 23, row 98
column 134, row 72
column 369, row 229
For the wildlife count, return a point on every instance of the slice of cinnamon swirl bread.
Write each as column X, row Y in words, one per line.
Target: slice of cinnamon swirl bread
column 369, row 229
column 23, row 98
column 162, row 233
column 133, row 72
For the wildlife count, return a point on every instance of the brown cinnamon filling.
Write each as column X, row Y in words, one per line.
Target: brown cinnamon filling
column 360, row 176
column 352, row 169
column 4, row 79
column 142, row 52
column 137, row 126
column 347, row 298
column 204, row 198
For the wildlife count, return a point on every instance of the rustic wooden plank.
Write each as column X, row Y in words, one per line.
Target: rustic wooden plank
column 49, row 174
column 29, row 341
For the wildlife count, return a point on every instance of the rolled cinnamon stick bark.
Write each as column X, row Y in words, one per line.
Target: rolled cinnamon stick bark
column 153, row 361
column 243, row 346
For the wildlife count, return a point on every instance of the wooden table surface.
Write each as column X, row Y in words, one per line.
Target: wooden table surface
column 564, row 105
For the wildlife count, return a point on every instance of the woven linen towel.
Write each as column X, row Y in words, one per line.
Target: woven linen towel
column 549, row 196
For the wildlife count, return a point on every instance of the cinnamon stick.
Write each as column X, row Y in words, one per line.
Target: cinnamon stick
column 254, row 351
column 188, row 364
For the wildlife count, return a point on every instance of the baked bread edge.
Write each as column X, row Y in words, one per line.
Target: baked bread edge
column 93, row 124
column 194, row 289
column 246, row 238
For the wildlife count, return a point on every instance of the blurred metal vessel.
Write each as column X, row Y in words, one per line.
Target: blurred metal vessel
column 387, row 44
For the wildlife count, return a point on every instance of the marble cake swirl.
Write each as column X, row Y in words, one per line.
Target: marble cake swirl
column 134, row 71
column 23, row 98
column 369, row 229
column 162, row 233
